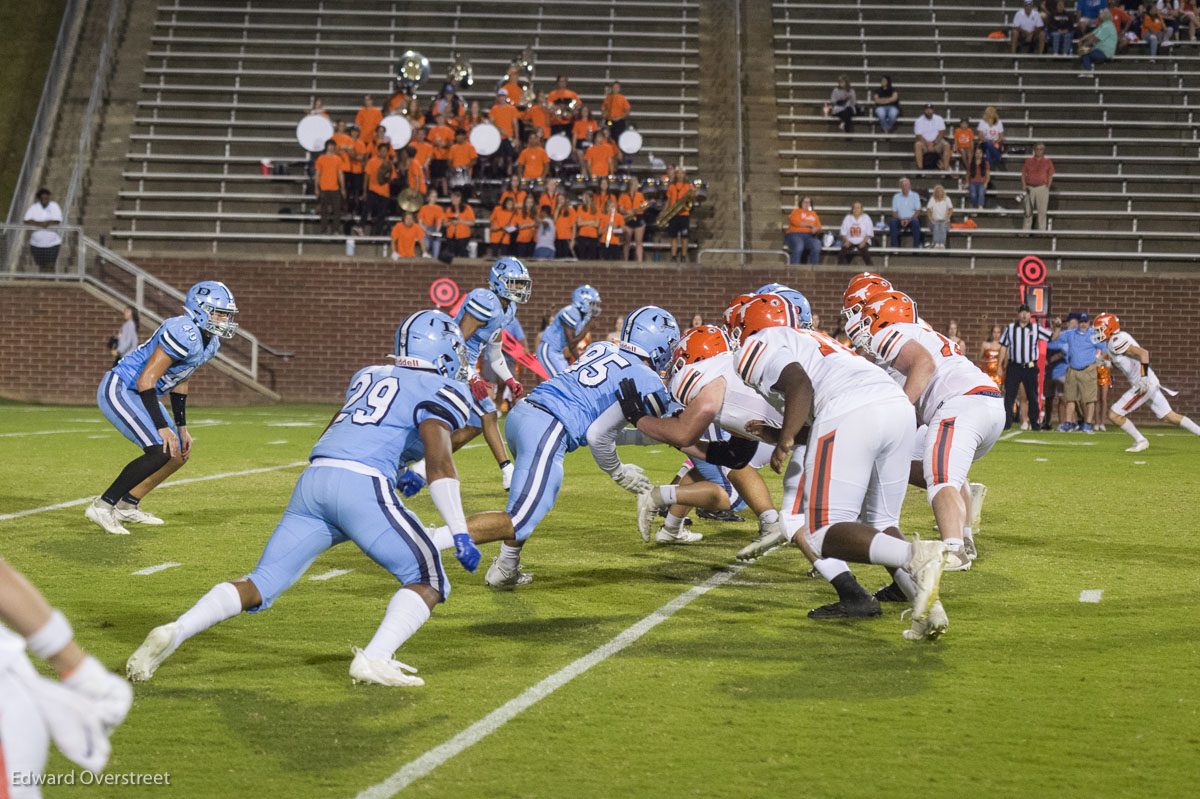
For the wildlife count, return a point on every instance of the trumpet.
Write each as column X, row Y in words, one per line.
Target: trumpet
column 460, row 73
column 684, row 203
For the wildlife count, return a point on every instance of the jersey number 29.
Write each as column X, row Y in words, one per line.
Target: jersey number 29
column 379, row 398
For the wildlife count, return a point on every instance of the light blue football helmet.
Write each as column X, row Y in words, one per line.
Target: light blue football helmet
column 208, row 296
column 652, row 333
column 586, row 299
column 510, row 279
column 798, row 301
column 432, row 340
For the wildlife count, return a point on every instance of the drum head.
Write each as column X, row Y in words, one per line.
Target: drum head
column 630, row 141
column 558, row 147
column 485, row 137
column 313, row 131
column 398, row 129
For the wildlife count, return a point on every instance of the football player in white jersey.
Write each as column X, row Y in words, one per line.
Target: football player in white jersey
column 960, row 406
column 857, row 460
column 1134, row 363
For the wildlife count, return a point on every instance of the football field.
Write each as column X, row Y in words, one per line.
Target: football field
column 655, row 671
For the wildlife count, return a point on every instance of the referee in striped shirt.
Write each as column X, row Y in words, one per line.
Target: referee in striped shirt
column 1019, row 362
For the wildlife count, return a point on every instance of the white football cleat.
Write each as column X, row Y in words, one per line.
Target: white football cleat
column 500, row 577
column 647, row 510
column 1140, row 446
column 506, row 473
column 925, row 566
column 957, row 560
column 157, row 647
column 978, row 492
column 382, row 672
column 137, row 516
column 932, row 628
column 969, row 547
column 680, row 536
column 769, row 536
column 105, row 515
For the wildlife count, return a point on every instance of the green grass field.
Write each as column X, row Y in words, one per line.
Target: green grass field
column 1031, row 692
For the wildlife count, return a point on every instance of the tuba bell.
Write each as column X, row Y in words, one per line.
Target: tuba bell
column 412, row 69
column 523, row 63
column 460, row 73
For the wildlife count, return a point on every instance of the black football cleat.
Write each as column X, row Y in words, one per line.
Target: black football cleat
column 719, row 515
column 866, row 607
column 890, row 593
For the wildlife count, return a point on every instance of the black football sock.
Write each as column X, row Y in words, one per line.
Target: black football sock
column 848, row 588
column 135, row 472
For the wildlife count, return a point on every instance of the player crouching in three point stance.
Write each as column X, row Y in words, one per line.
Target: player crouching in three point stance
column 577, row 407
column 128, row 397
column 857, row 458
column 404, row 411
column 1144, row 387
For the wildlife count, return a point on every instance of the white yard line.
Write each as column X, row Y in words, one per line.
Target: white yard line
column 160, row 567
column 435, row 757
column 85, row 500
column 1056, row 443
column 1091, row 595
column 1013, row 434
column 329, row 575
column 44, row 433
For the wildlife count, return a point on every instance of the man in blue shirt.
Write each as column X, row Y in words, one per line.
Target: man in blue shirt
column 1089, row 14
column 1080, row 388
column 906, row 213
column 1056, row 370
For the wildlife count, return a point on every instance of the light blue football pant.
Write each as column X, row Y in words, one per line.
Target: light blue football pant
column 124, row 409
column 553, row 360
column 538, row 443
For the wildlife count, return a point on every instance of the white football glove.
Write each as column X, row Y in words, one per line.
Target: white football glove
column 632, row 478
column 110, row 695
column 1141, row 385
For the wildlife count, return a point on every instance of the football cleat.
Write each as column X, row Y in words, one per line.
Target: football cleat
column 1140, row 446
column 719, row 515
column 769, row 536
column 680, row 536
column 384, row 671
column 957, row 560
column 890, row 593
column 137, row 516
column 157, row 647
column 978, row 492
column 932, row 627
column 500, row 577
column 105, row 515
column 506, row 475
column 969, row 548
column 647, row 509
column 925, row 566
column 865, row 607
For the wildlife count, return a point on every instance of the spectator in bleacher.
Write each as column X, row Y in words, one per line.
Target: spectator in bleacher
column 503, row 224
column 441, row 136
column 677, row 226
column 843, row 104
column 964, row 142
column 978, row 175
column 906, row 215
column 600, row 200
column 472, row 117
column 368, row 118
column 565, row 218
column 1089, row 14
column 1028, row 29
column 126, row 340
column 398, row 100
column 938, row 211
column 526, row 227
column 1170, row 10
column 43, row 244
column 414, row 114
column 407, row 236
column 377, row 196
column 632, row 204
column 802, row 236
column 462, row 153
column 562, row 99
column 457, row 226
column 1100, row 45
column 409, row 174
column 1154, row 30
column 612, row 230
column 331, row 188
column 447, row 104
column 929, row 130
column 543, row 248
column 616, row 110
column 991, row 136
column 582, row 131
column 422, row 150
column 1036, row 177
column 533, row 160
column 318, row 109
column 505, row 116
column 1123, row 22
column 431, row 217
column 587, row 224
column 1061, row 26
column 538, row 117
column 600, row 158
column 352, row 166
column 1189, row 15
column 509, row 86
column 856, row 236
column 887, row 104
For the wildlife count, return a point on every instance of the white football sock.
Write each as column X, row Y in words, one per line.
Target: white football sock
column 967, row 535
column 953, row 543
column 905, row 581
column 889, row 551
column 220, row 603
column 441, row 537
column 672, row 523
column 1128, row 427
column 418, row 468
column 509, row 556
column 406, row 613
column 769, row 516
column 666, row 494
column 831, row 567
column 1190, row 426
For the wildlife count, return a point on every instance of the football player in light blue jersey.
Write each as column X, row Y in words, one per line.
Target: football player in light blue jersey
column 129, row 394
column 482, row 318
column 567, row 328
column 798, row 301
column 392, row 413
column 578, row 407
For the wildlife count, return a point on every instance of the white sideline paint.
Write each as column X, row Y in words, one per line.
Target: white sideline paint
column 1056, row 443
column 281, row 441
column 291, row 424
column 72, row 503
column 1091, row 595
column 43, row 433
column 1013, row 434
column 435, row 757
column 1042, row 460
column 160, row 567
column 329, row 575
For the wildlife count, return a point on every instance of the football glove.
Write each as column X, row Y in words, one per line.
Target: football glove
column 465, row 552
column 410, row 483
column 516, row 388
column 110, row 695
column 632, row 478
column 479, row 388
column 633, row 407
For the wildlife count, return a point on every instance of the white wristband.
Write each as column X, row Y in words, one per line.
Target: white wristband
column 448, row 501
column 52, row 637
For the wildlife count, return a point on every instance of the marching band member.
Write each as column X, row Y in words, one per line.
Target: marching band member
column 677, row 226
column 441, row 136
column 632, row 205
column 514, row 191
column 505, row 116
column 459, row 217
column 562, row 99
column 599, row 158
column 431, row 216
column 538, row 117
column 533, row 160
column 587, row 221
column 612, row 230
column 503, row 225
column 368, row 118
column 527, row 219
column 616, row 110
column 566, row 220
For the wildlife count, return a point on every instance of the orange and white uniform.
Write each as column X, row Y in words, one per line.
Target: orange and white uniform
column 991, row 362
column 857, row 460
column 1152, row 392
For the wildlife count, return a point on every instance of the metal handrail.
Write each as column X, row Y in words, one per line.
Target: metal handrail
column 739, row 251
column 103, row 64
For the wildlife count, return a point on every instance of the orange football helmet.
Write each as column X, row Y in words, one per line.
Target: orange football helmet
column 1105, row 326
column 761, row 312
column 860, row 287
column 697, row 344
column 880, row 310
column 735, row 305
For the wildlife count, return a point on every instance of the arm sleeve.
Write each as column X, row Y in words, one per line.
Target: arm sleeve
column 495, row 354
column 632, row 437
column 602, row 438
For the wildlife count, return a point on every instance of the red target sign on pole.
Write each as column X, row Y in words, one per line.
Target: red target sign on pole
column 444, row 293
column 1031, row 270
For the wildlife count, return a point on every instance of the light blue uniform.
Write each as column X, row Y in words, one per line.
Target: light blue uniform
column 348, row 490
column 554, row 420
column 485, row 306
column 181, row 339
column 554, row 338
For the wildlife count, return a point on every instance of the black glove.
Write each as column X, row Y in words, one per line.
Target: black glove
column 733, row 454
column 632, row 405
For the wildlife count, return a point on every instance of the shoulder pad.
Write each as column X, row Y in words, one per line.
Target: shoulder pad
column 180, row 337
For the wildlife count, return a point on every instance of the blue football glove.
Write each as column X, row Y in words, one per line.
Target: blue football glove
column 465, row 552
column 409, row 483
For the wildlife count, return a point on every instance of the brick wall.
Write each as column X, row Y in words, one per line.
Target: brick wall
column 339, row 315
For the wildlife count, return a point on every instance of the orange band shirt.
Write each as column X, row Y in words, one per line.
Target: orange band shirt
column 803, row 221
column 677, row 190
column 328, row 167
column 533, row 160
column 615, row 107
column 405, row 238
column 458, row 223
